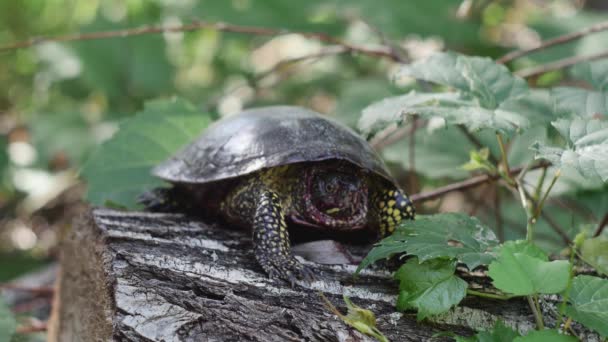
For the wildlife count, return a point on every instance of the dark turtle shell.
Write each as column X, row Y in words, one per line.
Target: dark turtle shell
column 267, row 137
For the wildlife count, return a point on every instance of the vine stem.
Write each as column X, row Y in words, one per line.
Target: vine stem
column 381, row 51
column 488, row 295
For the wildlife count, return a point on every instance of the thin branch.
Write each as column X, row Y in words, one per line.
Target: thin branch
column 601, row 226
column 41, row 290
column 554, row 41
column 466, row 184
column 33, row 328
column 559, row 64
column 200, row 25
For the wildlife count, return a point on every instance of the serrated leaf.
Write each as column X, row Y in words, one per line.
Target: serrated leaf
column 588, row 147
column 589, row 302
column 447, row 235
column 120, row 168
column 569, row 101
column 595, row 252
column 596, row 73
column 431, row 287
column 7, row 322
column 547, row 335
column 522, row 269
column 490, row 83
column 394, row 109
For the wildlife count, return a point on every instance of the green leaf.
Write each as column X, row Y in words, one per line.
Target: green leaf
column 499, row 333
column 7, row 322
column 588, row 147
column 595, row 252
column 490, row 83
column 120, row 168
column 581, row 102
column 394, row 109
column 596, row 73
column 430, row 286
column 547, row 335
column 589, row 302
column 522, row 269
column 447, row 235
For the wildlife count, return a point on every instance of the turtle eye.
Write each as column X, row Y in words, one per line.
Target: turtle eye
column 329, row 187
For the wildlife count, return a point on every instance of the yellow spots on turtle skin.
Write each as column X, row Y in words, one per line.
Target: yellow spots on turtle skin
column 393, row 207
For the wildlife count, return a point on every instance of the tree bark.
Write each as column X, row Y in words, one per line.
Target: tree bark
column 132, row 276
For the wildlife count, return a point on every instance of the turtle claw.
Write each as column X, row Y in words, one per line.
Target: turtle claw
column 287, row 270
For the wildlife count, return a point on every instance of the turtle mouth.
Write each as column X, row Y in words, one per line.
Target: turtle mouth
column 347, row 210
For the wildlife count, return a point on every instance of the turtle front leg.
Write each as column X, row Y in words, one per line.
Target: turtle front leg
column 271, row 241
column 392, row 206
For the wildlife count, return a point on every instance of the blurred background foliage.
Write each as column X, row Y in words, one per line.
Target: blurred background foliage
column 58, row 101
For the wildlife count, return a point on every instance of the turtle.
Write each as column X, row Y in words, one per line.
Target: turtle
column 268, row 168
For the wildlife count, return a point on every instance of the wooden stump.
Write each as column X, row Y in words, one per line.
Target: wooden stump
column 133, row 276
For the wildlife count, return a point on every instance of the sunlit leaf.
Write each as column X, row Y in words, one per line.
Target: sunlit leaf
column 431, row 287
column 595, row 252
column 447, row 235
column 596, row 73
column 120, row 169
column 589, row 302
column 482, row 78
column 581, row 102
column 395, row 109
column 588, row 147
column 523, row 269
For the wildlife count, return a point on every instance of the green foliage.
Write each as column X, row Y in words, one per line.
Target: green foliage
column 523, row 269
column 595, row 73
column 499, row 333
column 7, row 322
column 430, row 287
column 486, row 95
column 475, row 77
column 576, row 101
column 120, row 169
column 594, row 251
column 447, row 235
column 588, row 300
column 547, row 335
column 587, row 150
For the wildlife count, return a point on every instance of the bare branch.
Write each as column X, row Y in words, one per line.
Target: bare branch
column 601, row 226
column 41, row 290
column 382, row 52
column 560, row 64
column 466, row 184
column 554, row 41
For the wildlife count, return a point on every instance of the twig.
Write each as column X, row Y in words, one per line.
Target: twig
column 466, row 184
column 199, row 25
column 33, row 328
column 41, row 290
column 601, row 226
column 554, row 41
column 559, row 64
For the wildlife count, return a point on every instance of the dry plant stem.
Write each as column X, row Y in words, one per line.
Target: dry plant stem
column 466, row 184
column 554, row 41
column 601, row 226
column 382, row 52
column 540, row 325
column 559, row 64
column 42, row 290
column 34, row 328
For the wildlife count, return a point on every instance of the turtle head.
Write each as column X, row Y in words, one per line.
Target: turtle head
column 335, row 197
